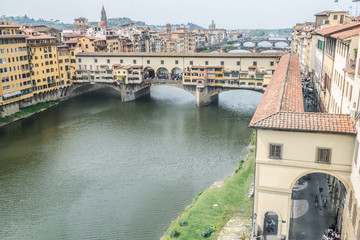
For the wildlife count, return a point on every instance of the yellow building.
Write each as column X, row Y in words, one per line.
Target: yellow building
column 128, row 74
column 185, row 40
column 44, row 66
column 112, row 43
column 91, row 44
column 15, row 85
column 67, row 65
column 331, row 18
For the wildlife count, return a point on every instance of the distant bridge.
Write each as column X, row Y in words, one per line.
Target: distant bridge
column 257, row 45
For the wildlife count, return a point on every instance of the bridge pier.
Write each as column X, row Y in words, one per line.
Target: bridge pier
column 205, row 96
column 133, row 92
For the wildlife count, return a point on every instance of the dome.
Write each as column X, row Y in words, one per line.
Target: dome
column 102, row 24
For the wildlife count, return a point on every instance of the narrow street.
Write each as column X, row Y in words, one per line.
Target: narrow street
column 310, row 221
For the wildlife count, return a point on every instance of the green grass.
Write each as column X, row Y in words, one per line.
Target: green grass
column 27, row 110
column 206, row 51
column 231, row 197
column 225, row 45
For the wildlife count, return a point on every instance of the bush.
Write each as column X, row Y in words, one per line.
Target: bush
column 174, row 234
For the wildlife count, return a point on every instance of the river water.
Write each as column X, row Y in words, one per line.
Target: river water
column 95, row 168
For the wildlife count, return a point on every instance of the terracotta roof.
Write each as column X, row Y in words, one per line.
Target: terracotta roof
column 346, row 34
column 10, row 26
column 40, row 36
column 282, row 108
column 292, row 98
column 13, row 36
column 271, row 101
column 336, row 29
column 308, row 122
column 323, row 13
column 73, row 40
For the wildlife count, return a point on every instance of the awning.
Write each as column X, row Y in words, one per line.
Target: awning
column 8, row 95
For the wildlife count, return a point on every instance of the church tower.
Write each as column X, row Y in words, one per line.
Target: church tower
column 103, row 17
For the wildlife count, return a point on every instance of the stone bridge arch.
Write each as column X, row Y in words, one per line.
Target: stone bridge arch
column 267, row 42
column 279, row 43
column 253, row 44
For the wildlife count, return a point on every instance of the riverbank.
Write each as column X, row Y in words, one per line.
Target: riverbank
column 27, row 112
column 219, row 204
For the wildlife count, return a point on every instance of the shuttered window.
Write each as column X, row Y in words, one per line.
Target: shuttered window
column 275, row 151
column 323, row 155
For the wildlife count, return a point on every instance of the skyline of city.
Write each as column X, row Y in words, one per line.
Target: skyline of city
column 242, row 16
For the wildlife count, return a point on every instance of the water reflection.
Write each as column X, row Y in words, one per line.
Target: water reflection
column 95, row 168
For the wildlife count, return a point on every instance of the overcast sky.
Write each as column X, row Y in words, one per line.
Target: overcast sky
column 229, row 14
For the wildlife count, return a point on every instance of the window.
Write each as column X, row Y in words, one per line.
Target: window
column 121, row 61
column 162, row 61
column 254, row 63
column 335, row 17
column 148, row 61
column 134, row 61
column 275, row 151
column 323, row 155
column 222, row 63
column 272, row 63
column 79, row 60
column 191, row 63
column 96, row 60
column 176, row 62
column 108, row 61
column 238, row 63
column 206, row 62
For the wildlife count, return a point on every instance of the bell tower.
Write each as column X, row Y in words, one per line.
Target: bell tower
column 103, row 15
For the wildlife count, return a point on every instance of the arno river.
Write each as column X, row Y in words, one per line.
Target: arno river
column 95, row 168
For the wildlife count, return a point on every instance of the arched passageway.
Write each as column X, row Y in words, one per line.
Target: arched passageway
column 317, row 207
column 176, row 74
column 162, row 74
column 149, row 73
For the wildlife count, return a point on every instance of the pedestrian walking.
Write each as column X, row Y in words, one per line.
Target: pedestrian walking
column 316, row 201
column 324, row 202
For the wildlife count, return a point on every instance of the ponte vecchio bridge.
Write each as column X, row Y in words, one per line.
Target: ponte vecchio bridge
column 204, row 75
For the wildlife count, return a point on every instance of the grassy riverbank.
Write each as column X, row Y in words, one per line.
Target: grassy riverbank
column 218, row 204
column 27, row 111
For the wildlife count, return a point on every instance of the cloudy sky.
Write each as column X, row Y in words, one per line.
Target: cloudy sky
column 229, row 14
